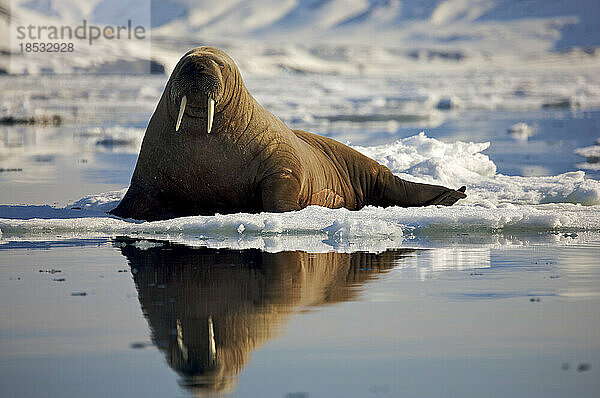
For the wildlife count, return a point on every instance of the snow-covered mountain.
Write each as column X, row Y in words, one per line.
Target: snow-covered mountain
column 333, row 30
column 562, row 23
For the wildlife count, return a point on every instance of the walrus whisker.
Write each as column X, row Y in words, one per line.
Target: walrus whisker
column 211, row 113
column 181, row 110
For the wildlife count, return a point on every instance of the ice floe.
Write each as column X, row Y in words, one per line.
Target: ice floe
column 496, row 203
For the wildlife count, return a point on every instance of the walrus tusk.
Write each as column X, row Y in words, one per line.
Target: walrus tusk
column 211, row 113
column 212, row 346
column 180, row 343
column 181, row 110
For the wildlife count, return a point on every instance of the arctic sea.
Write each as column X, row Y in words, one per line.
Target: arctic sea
column 498, row 293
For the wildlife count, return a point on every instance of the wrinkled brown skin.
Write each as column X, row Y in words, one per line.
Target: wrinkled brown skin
column 250, row 161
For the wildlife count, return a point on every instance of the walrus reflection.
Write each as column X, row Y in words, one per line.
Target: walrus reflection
column 208, row 309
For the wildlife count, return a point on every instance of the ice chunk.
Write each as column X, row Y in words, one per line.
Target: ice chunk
column 495, row 202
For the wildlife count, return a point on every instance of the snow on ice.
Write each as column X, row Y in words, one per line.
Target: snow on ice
column 566, row 202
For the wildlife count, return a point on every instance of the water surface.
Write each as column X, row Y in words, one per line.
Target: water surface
column 493, row 298
column 122, row 318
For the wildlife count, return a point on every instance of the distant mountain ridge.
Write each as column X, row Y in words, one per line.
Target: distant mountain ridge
column 563, row 23
column 326, row 36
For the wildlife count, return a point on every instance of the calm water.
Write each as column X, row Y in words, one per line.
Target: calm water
column 106, row 318
column 464, row 316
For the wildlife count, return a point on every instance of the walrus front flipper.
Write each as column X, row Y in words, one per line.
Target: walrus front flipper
column 137, row 204
column 395, row 191
column 280, row 191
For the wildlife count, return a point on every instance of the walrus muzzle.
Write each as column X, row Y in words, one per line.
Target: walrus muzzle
column 195, row 90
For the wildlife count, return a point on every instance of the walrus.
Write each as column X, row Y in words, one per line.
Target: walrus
column 210, row 148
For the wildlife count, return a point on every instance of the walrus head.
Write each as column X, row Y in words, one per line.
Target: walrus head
column 201, row 81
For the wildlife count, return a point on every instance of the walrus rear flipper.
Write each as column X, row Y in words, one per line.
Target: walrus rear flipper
column 399, row 192
column 449, row 197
